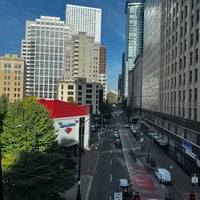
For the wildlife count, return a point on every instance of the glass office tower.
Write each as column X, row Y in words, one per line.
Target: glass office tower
column 134, row 37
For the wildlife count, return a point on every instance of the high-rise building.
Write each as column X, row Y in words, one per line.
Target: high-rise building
column 12, row 76
column 44, row 52
column 171, row 79
column 151, row 55
column 134, row 36
column 102, row 69
column 86, row 63
column 85, row 19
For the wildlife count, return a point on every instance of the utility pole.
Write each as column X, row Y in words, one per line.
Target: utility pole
column 78, row 196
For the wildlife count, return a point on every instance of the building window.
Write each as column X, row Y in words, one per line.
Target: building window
column 185, row 44
column 183, row 96
column 80, row 87
column 190, row 76
column 70, row 87
column 184, row 62
column 195, row 114
column 185, row 28
column 195, row 94
column 184, row 79
column 179, row 100
column 89, row 91
column 185, row 11
column 190, row 113
column 196, row 75
column 197, row 14
column 197, row 35
column 191, row 39
column 88, row 96
column 88, row 102
column 89, row 85
column 192, row 21
column 191, row 54
column 190, row 95
column 197, row 55
column 183, row 112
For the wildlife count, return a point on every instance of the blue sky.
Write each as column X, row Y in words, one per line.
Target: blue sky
column 14, row 13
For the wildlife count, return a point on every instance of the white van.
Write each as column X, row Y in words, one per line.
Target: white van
column 163, row 175
column 124, row 186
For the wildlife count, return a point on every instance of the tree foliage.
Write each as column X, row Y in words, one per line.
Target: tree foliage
column 37, row 175
column 112, row 97
column 4, row 100
column 27, row 127
column 33, row 165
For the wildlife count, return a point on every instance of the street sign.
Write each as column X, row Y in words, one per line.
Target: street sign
column 118, row 196
column 194, row 178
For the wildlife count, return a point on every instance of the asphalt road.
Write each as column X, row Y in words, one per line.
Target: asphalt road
column 130, row 162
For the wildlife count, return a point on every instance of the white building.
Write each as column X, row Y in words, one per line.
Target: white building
column 85, row 19
column 44, row 53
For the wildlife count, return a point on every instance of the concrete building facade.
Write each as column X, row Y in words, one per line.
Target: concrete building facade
column 85, row 19
column 44, row 53
column 12, row 74
column 171, row 79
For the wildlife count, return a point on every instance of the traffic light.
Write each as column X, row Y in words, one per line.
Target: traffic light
column 192, row 196
column 136, row 197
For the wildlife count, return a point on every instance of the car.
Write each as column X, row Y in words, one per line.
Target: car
column 163, row 175
column 124, row 186
column 118, row 143
column 116, row 136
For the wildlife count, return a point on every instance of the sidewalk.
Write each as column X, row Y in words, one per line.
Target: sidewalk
column 88, row 168
column 180, row 180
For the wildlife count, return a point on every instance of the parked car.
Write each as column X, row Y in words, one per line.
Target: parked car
column 163, row 175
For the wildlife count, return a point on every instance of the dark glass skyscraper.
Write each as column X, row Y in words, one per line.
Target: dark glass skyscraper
column 134, row 37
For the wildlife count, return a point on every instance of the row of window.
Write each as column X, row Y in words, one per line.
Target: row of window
column 193, row 78
column 8, row 89
column 9, row 78
column 8, row 66
column 9, row 83
column 9, row 71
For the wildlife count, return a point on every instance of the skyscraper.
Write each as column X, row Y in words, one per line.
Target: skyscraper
column 44, row 53
column 134, row 37
column 85, row 19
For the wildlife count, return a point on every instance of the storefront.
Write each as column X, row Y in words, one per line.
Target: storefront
column 72, row 124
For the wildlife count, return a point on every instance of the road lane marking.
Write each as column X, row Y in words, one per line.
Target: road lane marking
column 110, row 177
column 89, row 188
column 96, row 163
column 110, row 162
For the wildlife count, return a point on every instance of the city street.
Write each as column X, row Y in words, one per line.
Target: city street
column 130, row 162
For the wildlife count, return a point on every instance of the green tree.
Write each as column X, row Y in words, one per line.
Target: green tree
column 33, row 165
column 112, row 97
column 27, row 127
column 38, row 176
column 4, row 100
